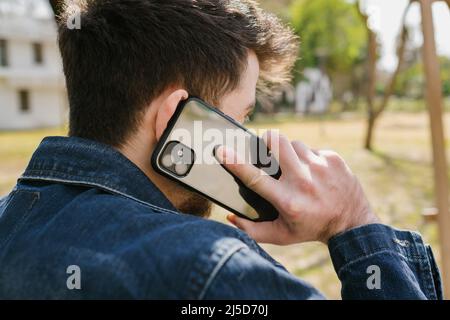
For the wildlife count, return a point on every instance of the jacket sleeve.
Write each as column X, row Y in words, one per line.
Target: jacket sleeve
column 247, row 275
column 372, row 262
column 380, row 262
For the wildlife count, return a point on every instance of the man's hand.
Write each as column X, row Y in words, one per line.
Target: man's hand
column 317, row 195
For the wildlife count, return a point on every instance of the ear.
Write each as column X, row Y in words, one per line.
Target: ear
column 166, row 109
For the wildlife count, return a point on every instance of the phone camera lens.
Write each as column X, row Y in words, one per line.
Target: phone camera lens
column 177, row 158
column 181, row 169
column 166, row 160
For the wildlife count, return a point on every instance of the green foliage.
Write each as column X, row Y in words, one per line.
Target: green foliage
column 331, row 34
column 411, row 81
column 445, row 75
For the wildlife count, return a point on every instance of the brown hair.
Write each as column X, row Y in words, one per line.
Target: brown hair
column 128, row 51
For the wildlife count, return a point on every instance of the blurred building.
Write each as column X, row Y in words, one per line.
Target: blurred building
column 314, row 93
column 32, row 88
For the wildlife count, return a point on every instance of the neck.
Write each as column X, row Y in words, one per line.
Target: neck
column 139, row 151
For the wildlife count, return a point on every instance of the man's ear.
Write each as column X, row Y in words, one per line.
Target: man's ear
column 166, row 109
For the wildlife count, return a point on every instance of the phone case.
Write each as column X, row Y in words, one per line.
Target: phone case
column 191, row 136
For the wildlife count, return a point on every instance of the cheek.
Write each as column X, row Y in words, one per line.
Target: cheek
column 234, row 104
column 236, row 114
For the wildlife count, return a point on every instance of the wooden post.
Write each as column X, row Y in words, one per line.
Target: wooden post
column 434, row 101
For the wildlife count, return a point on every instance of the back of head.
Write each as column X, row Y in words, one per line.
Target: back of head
column 127, row 52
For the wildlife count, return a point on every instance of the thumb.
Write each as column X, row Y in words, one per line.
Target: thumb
column 259, row 231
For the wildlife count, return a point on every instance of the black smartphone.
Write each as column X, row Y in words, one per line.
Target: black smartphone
column 185, row 154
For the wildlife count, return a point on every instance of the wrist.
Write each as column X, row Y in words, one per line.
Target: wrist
column 363, row 218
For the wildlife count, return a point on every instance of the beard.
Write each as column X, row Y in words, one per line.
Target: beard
column 183, row 199
column 192, row 203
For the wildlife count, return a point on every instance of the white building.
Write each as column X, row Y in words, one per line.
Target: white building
column 314, row 94
column 32, row 88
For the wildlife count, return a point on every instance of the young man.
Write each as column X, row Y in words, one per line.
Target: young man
column 89, row 218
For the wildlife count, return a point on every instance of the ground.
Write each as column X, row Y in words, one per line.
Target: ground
column 397, row 177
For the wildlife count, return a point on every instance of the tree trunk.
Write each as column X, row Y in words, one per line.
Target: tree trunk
column 369, row 133
column 401, row 58
column 372, row 48
column 374, row 112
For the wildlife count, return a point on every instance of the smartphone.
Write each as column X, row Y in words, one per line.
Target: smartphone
column 185, row 154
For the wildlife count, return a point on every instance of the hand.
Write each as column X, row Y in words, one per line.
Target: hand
column 317, row 196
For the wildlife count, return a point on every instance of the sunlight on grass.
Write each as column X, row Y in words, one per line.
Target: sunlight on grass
column 16, row 148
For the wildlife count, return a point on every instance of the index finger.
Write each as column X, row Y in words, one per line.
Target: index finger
column 283, row 151
column 252, row 177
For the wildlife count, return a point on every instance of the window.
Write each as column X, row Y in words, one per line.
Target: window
column 3, row 53
column 24, row 101
column 37, row 53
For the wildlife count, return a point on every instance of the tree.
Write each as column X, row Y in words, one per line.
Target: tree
column 445, row 74
column 373, row 110
column 411, row 80
column 331, row 35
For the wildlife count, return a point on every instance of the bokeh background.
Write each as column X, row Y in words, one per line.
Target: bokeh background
column 358, row 88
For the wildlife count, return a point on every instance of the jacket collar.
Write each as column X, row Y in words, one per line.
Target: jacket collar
column 72, row 160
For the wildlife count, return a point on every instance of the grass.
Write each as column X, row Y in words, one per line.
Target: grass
column 16, row 148
column 397, row 177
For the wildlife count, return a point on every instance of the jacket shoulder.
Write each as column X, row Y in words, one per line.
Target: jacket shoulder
column 171, row 255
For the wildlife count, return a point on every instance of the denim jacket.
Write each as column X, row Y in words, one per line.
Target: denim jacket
column 81, row 209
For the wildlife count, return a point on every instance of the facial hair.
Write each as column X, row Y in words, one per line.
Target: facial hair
column 192, row 203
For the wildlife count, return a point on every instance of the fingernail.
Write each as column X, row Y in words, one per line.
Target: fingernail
column 231, row 218
column 219, row 153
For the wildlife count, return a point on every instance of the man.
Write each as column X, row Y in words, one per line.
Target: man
column 89, row 218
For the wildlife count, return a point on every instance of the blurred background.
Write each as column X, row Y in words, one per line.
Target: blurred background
column 372, row 82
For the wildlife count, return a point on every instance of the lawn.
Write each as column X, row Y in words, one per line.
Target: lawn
column 397, row 177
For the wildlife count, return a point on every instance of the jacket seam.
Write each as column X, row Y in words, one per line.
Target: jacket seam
column 218, row 268
column 358, row 237
column 428, row 283
column 435, row 275
column 103, row 187
column 349, row 263
column 8, row 198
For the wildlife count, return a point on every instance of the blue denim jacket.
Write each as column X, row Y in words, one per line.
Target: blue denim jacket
column 82, row 203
